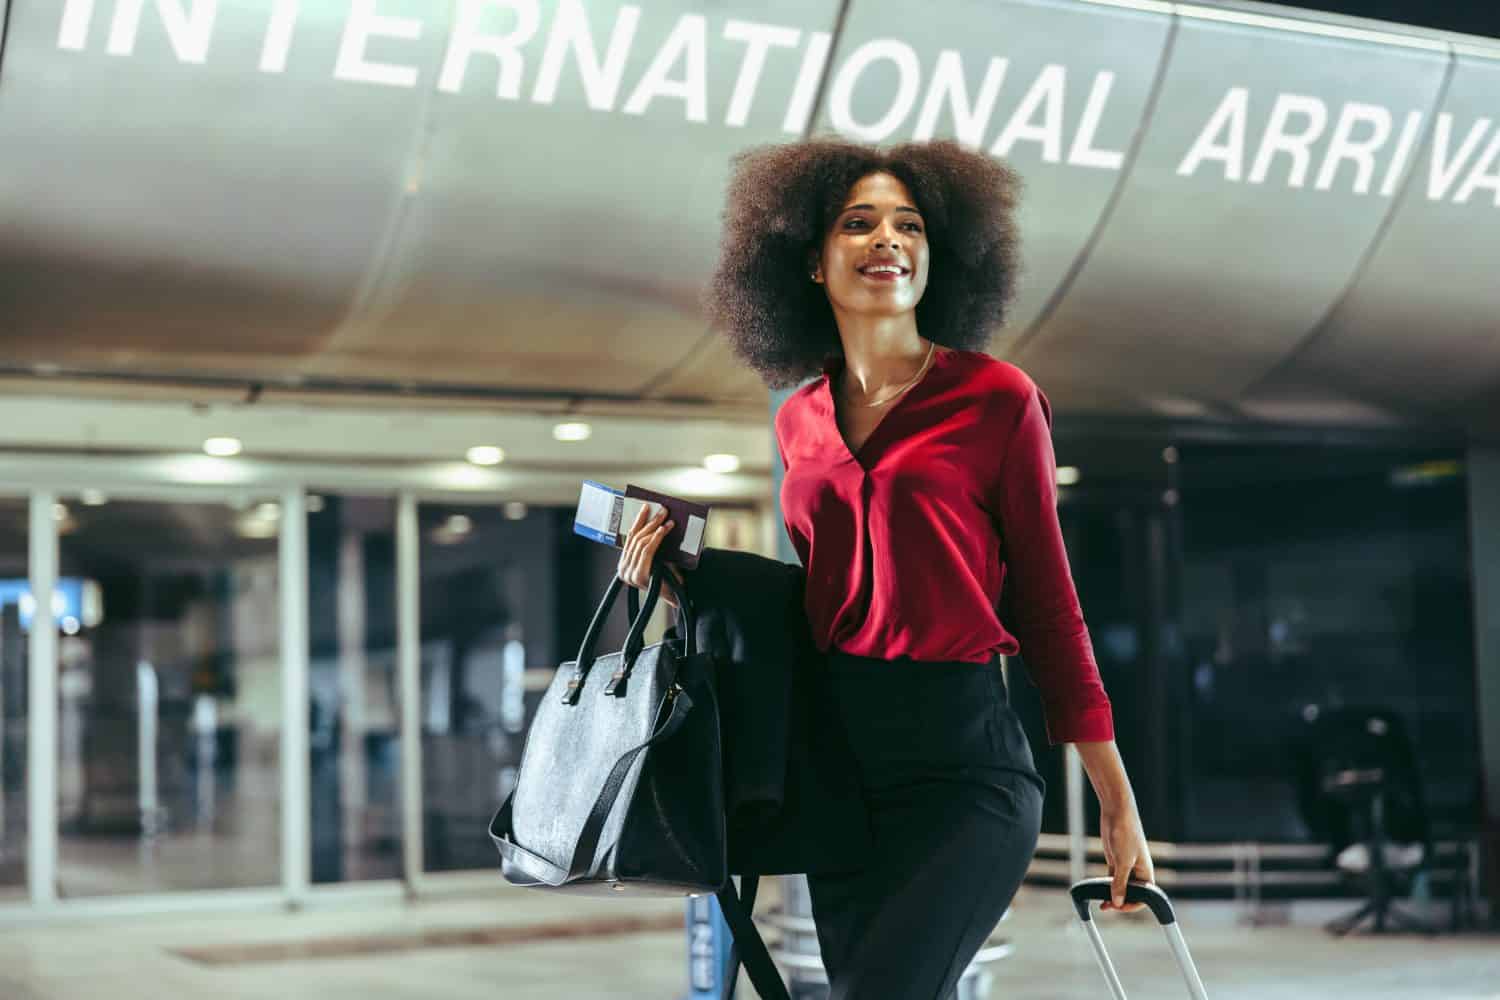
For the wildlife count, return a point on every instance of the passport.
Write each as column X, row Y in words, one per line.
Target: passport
column 605, row 515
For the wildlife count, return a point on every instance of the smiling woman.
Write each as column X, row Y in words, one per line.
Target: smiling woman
column 787, row 205
column 920, row 495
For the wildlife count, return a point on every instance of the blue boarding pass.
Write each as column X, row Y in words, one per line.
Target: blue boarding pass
column 605, row 514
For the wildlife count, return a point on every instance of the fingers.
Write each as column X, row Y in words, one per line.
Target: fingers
column 1141, row 870
column 1145, row 870
column 1121, row 876
column 640, row 548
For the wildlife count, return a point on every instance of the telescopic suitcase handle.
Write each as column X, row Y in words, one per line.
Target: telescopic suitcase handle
column 1101, row 889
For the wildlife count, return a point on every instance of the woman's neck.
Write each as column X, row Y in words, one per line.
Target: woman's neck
column 886, row 358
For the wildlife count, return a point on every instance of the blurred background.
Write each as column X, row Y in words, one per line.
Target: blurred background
column 314, row 314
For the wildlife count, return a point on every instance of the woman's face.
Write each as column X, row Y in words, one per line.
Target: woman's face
column 877, row 229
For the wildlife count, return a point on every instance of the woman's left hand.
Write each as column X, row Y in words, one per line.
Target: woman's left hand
column 1126, row 852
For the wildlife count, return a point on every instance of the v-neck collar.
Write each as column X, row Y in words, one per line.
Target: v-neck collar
column 831, row 407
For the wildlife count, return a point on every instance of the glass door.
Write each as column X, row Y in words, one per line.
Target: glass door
column 169, row 687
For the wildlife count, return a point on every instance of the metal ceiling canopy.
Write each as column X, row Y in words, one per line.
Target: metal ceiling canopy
column 1232, row 211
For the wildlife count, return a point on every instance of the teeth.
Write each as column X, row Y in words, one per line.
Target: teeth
column 882, row 269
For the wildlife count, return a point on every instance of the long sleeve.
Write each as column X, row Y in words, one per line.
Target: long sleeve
column 1039, row 603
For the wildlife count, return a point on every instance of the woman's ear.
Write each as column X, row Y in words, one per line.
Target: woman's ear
column 814, row 267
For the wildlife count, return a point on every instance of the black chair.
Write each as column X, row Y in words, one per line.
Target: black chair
column 1359, row 784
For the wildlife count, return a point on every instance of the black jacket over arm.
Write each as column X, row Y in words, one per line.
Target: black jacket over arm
column 791, row 791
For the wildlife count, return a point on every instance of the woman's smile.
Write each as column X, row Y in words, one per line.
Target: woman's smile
column 884, row 272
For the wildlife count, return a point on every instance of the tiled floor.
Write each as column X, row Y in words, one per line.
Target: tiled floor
column 505, row 945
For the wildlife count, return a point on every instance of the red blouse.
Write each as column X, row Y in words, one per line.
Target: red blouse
column 908, row 543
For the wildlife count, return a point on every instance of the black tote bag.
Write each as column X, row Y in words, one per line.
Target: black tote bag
column 621, row 786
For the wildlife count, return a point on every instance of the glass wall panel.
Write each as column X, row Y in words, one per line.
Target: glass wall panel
column 490, row 578
column 1316, row 579
column 355, row 802
column 169, row 695
column 13, row 666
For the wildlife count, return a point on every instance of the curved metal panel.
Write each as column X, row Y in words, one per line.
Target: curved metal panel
column 525, row 194
column 1241, row 222
column 164, row 195
column 563, row 234
column 1422, row 325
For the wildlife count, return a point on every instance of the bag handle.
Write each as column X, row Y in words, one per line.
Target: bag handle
column 634, row 639
column 653, row 588
column 633, row 601
column 747, row 945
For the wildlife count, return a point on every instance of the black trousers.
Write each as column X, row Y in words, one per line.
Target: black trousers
column 955, row 807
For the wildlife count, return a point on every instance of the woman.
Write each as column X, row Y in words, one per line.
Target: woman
column 920, row 494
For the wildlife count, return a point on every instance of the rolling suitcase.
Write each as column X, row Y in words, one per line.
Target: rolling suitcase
column 1092, row 889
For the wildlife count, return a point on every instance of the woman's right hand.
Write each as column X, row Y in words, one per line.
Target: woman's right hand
column 642, row 541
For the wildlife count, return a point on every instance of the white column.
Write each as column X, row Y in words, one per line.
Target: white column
column 41, row 754
column 409, row 683
column 296, row 759
column 1077, row 842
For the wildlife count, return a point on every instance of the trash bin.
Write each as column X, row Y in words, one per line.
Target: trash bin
column 795, row 948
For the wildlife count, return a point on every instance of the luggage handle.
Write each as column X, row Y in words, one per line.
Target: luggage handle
column 1101, row 889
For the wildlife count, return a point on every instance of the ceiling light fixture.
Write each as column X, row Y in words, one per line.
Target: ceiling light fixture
column 485, row 454
column 721, row 463
column 223, row 447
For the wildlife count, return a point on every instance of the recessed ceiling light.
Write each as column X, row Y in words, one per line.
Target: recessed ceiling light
column 485, row 454
column 59, row 512
column 721, row 463
column 515, row 510
column 1067, row 475
column 223, row 447
column 572, row 432
column 458, row 524
column 251, row 526
column 93, row 498
column 314, row 503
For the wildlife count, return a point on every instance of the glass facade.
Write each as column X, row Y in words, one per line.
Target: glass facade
column 169, row 685
column 1235, row 593
column 1316, row 579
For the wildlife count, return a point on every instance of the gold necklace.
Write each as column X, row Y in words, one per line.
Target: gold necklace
column 931, row 346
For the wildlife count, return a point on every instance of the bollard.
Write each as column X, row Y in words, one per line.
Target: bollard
column 708, row 948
